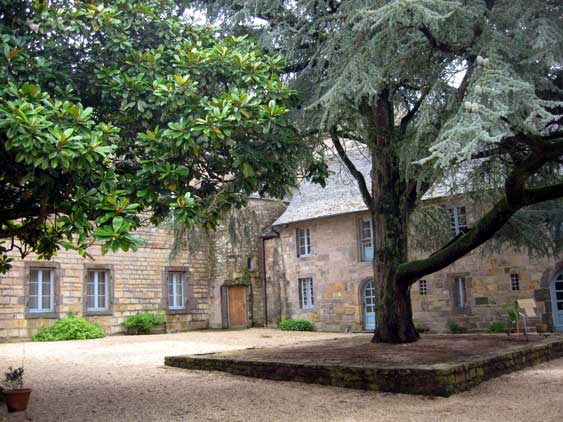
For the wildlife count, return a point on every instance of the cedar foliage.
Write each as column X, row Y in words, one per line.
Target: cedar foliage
column 461, row 95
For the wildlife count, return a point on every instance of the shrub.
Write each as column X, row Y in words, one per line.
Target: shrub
column 13, row 379
column 144, row 321
column 513, row 313
column 296, row 325
column 70, row 328
column 421, row 328
column 497, row 327
column 455, row 328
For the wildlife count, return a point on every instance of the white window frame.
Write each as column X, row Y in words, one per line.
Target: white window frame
column 366, row 243
column 97, row 307
column 303, row 242
column 515, row 281
column 306, row 293
column 175, row 277
column 456, row 218
column 460, row 284
column 40, row 309
column 423, row 287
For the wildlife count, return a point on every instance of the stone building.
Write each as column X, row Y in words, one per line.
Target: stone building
column 319, row 267
column 212, row 284
column 310, row 259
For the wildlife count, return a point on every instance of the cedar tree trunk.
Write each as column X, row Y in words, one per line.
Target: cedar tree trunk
column 389, row 212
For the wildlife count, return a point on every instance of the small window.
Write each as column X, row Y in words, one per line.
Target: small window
column 556, row 231
column 423, row 287
column 41, row 290
column 250, row 264
column 306, row 293
column 458, row 219
column 366, row 240
column 176, row 290
column 460, row 292
column 303, row 242
column 97, row 291
column 515, row 281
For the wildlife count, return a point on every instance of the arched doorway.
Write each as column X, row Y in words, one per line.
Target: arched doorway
column 557, row 301
column 368, row 300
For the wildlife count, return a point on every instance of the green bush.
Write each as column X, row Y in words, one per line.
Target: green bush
column 70, row 328
column 421, row 328
column 144, row 321
column 455, row 328
column 497, row 327
column 296, row 325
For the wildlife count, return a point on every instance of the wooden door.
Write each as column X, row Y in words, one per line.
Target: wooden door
column 237, row 306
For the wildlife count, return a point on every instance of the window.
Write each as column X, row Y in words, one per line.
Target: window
column 97, row 290
column 366, row 240
column 41, row 290
column 515, row 281
column 460, row 293
column 176, row 290
column 423, row 287
column 458, row 219
column 303, row 242
column 250, row 264
column 556, row 232
column 306, row 293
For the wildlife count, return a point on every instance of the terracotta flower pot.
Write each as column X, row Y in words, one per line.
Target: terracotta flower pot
column 17, row 399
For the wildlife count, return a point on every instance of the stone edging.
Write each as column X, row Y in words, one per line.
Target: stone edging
column 435, row 380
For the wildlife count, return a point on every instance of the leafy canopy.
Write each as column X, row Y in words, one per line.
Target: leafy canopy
column 114, row 113
column 468, row 89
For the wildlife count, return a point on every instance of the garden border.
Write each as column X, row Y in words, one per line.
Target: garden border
column 442, row 379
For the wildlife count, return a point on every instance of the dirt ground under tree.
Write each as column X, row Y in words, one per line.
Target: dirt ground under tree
column 124, row 379
column 359, row 350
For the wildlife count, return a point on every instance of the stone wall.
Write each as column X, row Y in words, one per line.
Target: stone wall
column 334, row 265
column 138, row 278
column 137, row 286
column 339, row 276
column 229, row 257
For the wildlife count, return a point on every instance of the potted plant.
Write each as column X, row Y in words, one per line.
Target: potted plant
column 15, row 395
column 513, row 313
column 145, row 323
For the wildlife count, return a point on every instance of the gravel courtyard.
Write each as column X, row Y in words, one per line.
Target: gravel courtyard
column 124, row 379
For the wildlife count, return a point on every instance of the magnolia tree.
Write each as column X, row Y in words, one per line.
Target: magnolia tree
column 112, row 113
column 467, row 90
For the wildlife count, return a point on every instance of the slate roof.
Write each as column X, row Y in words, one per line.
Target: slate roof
column 340, row 196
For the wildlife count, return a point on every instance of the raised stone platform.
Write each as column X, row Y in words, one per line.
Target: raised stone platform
column 437, row 365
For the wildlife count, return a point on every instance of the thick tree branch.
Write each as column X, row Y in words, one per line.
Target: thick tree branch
column 412, row 112
column 482, row 231
column 17, row 213
column 366, row 196
column 443, row 47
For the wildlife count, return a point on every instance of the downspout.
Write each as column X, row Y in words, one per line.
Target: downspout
column 269, row 234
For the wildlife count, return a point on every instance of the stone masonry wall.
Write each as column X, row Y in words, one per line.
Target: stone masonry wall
column 137, row 286
column 229, row 259
column 339, row 276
